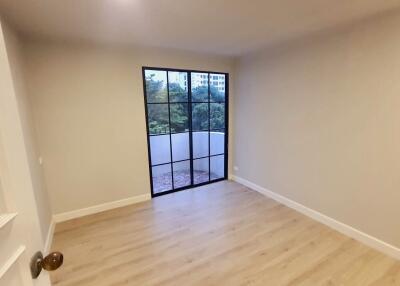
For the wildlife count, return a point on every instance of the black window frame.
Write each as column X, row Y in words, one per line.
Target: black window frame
column 191, row 158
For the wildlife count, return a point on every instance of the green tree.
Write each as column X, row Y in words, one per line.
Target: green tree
column 216, row 95
column 158, row 116
column 200, row 116
column 200, row 93
column 156, row 90
column 177, row 93
column 217, row 116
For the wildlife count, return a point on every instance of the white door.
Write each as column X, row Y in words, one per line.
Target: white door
column 20, row 235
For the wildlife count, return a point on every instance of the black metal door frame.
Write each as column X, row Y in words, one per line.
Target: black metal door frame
column 191, row 158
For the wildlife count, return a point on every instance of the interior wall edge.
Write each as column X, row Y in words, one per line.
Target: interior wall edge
column 50, row 235
column 318, row 122
column 14, row 46
column 65, row 216
column 341, row 227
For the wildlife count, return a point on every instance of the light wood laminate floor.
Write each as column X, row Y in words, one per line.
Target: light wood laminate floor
column 221, row 234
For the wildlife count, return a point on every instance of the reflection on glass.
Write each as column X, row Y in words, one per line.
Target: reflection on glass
column 199, row 116
column 156, row 86
column 200, row 144
column 217, row 165
column 179, row 117
column 181, row 174
column 199, row 87
column 159, row 149
column 217, row 115
column 217, row 87
column 178, row 86
column 162, row 178
column 158, row 119
column 200, row 171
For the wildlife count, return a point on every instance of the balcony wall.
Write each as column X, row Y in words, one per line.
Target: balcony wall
column 160, row 149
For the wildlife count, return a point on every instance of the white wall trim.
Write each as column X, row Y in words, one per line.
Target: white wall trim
column 337, row 225
column 99, row 208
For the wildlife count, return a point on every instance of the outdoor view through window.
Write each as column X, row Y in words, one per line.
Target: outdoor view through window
column 186, row 115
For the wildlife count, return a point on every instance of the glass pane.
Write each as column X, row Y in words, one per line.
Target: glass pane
column 181, row 174
column 200, row 171
column 156, row 86
column 217, row 87
column 217, row 142
column 217, row 115
column 217, row 165
column 162, row 178
column 178, row 86
column 158, row 118
column 200, row 144
column 199, row 116
column 180, row 146
column 199, row 87
column 160, row 149
column 179, row 117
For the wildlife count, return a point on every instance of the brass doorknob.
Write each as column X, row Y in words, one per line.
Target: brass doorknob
column 50, row 263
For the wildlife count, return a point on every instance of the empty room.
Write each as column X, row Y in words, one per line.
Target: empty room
column 199, row 143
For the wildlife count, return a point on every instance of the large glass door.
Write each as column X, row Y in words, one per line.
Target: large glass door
column 186, row 116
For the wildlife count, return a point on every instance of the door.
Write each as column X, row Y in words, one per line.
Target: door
column 187, row 123
column 20, row 235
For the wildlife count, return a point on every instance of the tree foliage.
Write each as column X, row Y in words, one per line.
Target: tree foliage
column 158, row 114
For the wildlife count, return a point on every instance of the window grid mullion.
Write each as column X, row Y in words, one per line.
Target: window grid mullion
column 190, row 130
column 170, row 135
column 209, row 128
column 189, row 81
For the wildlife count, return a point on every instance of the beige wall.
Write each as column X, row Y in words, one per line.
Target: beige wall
column 89, row 113
column 318, row 121
column 15, row 57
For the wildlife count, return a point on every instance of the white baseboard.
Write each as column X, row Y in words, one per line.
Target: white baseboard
column 100, row 208
column 358, row 235
column 49, row 238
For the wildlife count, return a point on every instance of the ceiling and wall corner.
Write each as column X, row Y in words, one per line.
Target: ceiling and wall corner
column 223, row 27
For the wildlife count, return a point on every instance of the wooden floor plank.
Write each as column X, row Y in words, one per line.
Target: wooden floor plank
column 220, row 234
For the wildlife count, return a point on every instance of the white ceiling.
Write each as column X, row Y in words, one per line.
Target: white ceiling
column 226, row 27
